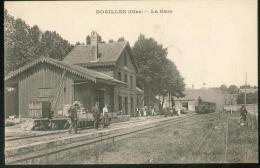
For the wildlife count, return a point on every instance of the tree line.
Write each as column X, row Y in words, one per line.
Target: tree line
column 23, row 43
column 157, row 74
column 251, row 97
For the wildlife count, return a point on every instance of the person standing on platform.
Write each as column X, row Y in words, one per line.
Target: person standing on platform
column 178, row 109
column 137, row 112
column 96, row 114
column 105, row 116
column 73, row 117
column 145, row 111
column 152, row 110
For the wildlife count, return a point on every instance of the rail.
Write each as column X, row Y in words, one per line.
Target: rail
column 93, row 140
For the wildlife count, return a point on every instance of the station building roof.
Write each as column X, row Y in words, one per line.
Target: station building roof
column 74, row 69
column 109, row 54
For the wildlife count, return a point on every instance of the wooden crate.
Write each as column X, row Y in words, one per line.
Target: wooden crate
column 39, row 109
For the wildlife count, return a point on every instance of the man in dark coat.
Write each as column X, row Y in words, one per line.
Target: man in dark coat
column 73, row 117
column 243, row 113
column 96, row 114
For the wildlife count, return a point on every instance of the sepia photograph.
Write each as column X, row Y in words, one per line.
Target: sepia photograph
column 130, row 82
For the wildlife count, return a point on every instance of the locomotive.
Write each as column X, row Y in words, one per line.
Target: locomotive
column 205, row 107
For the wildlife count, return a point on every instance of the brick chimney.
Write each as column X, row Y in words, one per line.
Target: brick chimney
column 94, row 45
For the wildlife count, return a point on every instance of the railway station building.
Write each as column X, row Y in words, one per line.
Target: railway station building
column 97, row 72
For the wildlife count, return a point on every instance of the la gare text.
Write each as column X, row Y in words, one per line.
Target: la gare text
column 119, row 11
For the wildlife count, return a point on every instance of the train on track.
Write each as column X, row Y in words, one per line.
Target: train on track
column 205, row 107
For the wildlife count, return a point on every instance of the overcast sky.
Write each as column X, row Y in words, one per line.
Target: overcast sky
column 212, row 42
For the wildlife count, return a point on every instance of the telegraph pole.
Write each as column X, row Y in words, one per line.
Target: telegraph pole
column 245, row 88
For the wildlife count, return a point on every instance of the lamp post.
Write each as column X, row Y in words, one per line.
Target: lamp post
column 245, row 88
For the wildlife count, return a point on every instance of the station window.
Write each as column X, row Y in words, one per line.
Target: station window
column 119, row 103
column 119, row 77
column 126, row 105
column 132, row 106
column 131, row 82
column 125, row 59
column 44, row 92
column 126, row 78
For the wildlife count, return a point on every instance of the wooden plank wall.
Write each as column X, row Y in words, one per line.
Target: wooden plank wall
column 43, row 76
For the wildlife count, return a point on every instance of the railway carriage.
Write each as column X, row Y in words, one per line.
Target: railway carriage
column 205, row 107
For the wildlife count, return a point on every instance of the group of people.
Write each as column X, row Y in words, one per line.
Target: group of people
column 152, row 111
column 145, row 111
column 99, row 117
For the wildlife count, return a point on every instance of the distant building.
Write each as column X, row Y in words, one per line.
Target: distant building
column 191, row 98
column 231, row 99
column 248, row 90
column 185, row 103
column 210, row 95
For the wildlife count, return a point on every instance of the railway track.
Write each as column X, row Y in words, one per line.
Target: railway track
column 124, row 132
column 198, row 124
column 103, row 137
column 11, row 138
column 33, row 139
column 65, row 131
column 207, row 143
column 36, row 138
